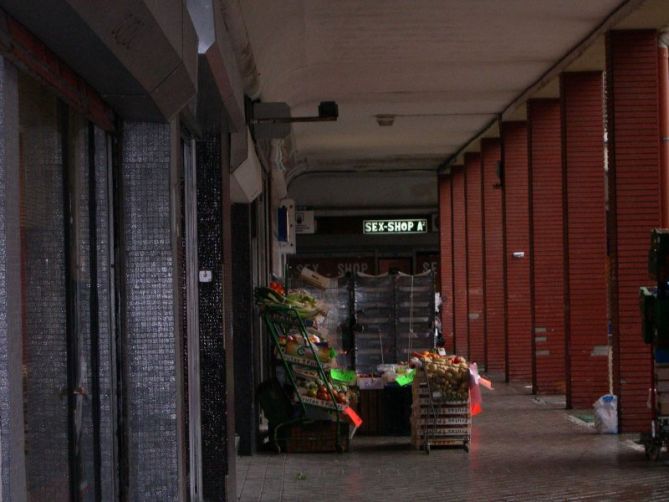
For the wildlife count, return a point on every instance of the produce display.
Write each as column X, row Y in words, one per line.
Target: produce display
column 304, row 360
column 317, row 389
column 305, row 351
column 448, row 374
column 302, row 302
column 441, row 414
column 293, row 344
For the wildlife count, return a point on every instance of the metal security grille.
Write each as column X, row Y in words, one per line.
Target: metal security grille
column 44, row 294
column 66, row 291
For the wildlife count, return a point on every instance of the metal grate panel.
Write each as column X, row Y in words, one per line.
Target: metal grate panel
column 151, row 352
column 44, row 289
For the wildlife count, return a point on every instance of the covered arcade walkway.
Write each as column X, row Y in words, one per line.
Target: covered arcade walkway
column 524, row 448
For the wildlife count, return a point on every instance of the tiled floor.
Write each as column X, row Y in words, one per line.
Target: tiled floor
column 523, row 449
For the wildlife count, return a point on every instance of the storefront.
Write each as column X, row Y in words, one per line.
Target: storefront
column 116, row 263
column 336, row 245
column 360, row 355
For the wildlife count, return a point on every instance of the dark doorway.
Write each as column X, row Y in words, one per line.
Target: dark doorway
column 392, row 265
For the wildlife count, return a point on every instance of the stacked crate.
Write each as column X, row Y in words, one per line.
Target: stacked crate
column 374, row 330
column 450, row 424
column 662, row 388
column 414, row 314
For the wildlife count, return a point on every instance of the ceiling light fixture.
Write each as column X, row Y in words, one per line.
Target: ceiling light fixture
column 385, row 119
column 328, row 111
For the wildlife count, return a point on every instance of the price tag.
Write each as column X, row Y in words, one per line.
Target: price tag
column 441, row 351
column 351, row 415
column 405, row 379
column 346, row 376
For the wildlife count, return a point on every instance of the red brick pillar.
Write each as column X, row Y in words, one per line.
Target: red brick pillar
column 475, row 311
column 516, row 203
column 460, row 307
column 634, row 193
column 496, row 359
column 585, row 237
column 446, row 258
column 545, row 159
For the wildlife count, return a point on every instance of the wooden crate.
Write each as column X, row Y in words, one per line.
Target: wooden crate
column 444, row 422
column 419, row 442
column 441, row 420
column 370, row 409
column 316, row 437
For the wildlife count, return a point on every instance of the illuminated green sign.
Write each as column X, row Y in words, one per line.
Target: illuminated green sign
column 395, row 226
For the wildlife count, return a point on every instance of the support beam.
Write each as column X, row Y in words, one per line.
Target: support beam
column 584, row 237
column 516, row 201
column 476, row 308
column 446, row 265
column 496, row 342
column 460, row 306
column 634, row 191
column 547, row 277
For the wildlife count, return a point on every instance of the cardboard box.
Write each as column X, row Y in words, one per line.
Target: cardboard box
column 661, row 372
column 663, row 406
column 370, row 383
column 315, row 279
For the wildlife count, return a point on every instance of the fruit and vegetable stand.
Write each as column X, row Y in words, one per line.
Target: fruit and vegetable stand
column 441, row 410
column 304, row 358
column 310, row 405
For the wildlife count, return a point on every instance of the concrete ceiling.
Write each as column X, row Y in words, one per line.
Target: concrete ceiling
column 445, row 68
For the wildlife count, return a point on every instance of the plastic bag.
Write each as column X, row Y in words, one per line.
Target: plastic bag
column 475, row 403
column 606, row 414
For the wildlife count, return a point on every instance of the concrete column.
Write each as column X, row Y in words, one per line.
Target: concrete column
column 12, row 448
column 634, row 194
column 460, row 306
column 474, row 213
column 547, row 226
column 493, row 238
column 213, row 400
column 584, row 237
column 446, row 257
column 516, row 201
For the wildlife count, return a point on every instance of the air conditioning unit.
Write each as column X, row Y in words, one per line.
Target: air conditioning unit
column 246, row 180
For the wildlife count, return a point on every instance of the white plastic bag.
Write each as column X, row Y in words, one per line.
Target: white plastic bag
column 606, row 414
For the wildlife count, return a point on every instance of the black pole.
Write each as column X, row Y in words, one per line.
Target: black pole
column 94, row 314
column 71, row 303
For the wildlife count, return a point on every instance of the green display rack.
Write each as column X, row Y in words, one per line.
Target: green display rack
column 280, row 321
